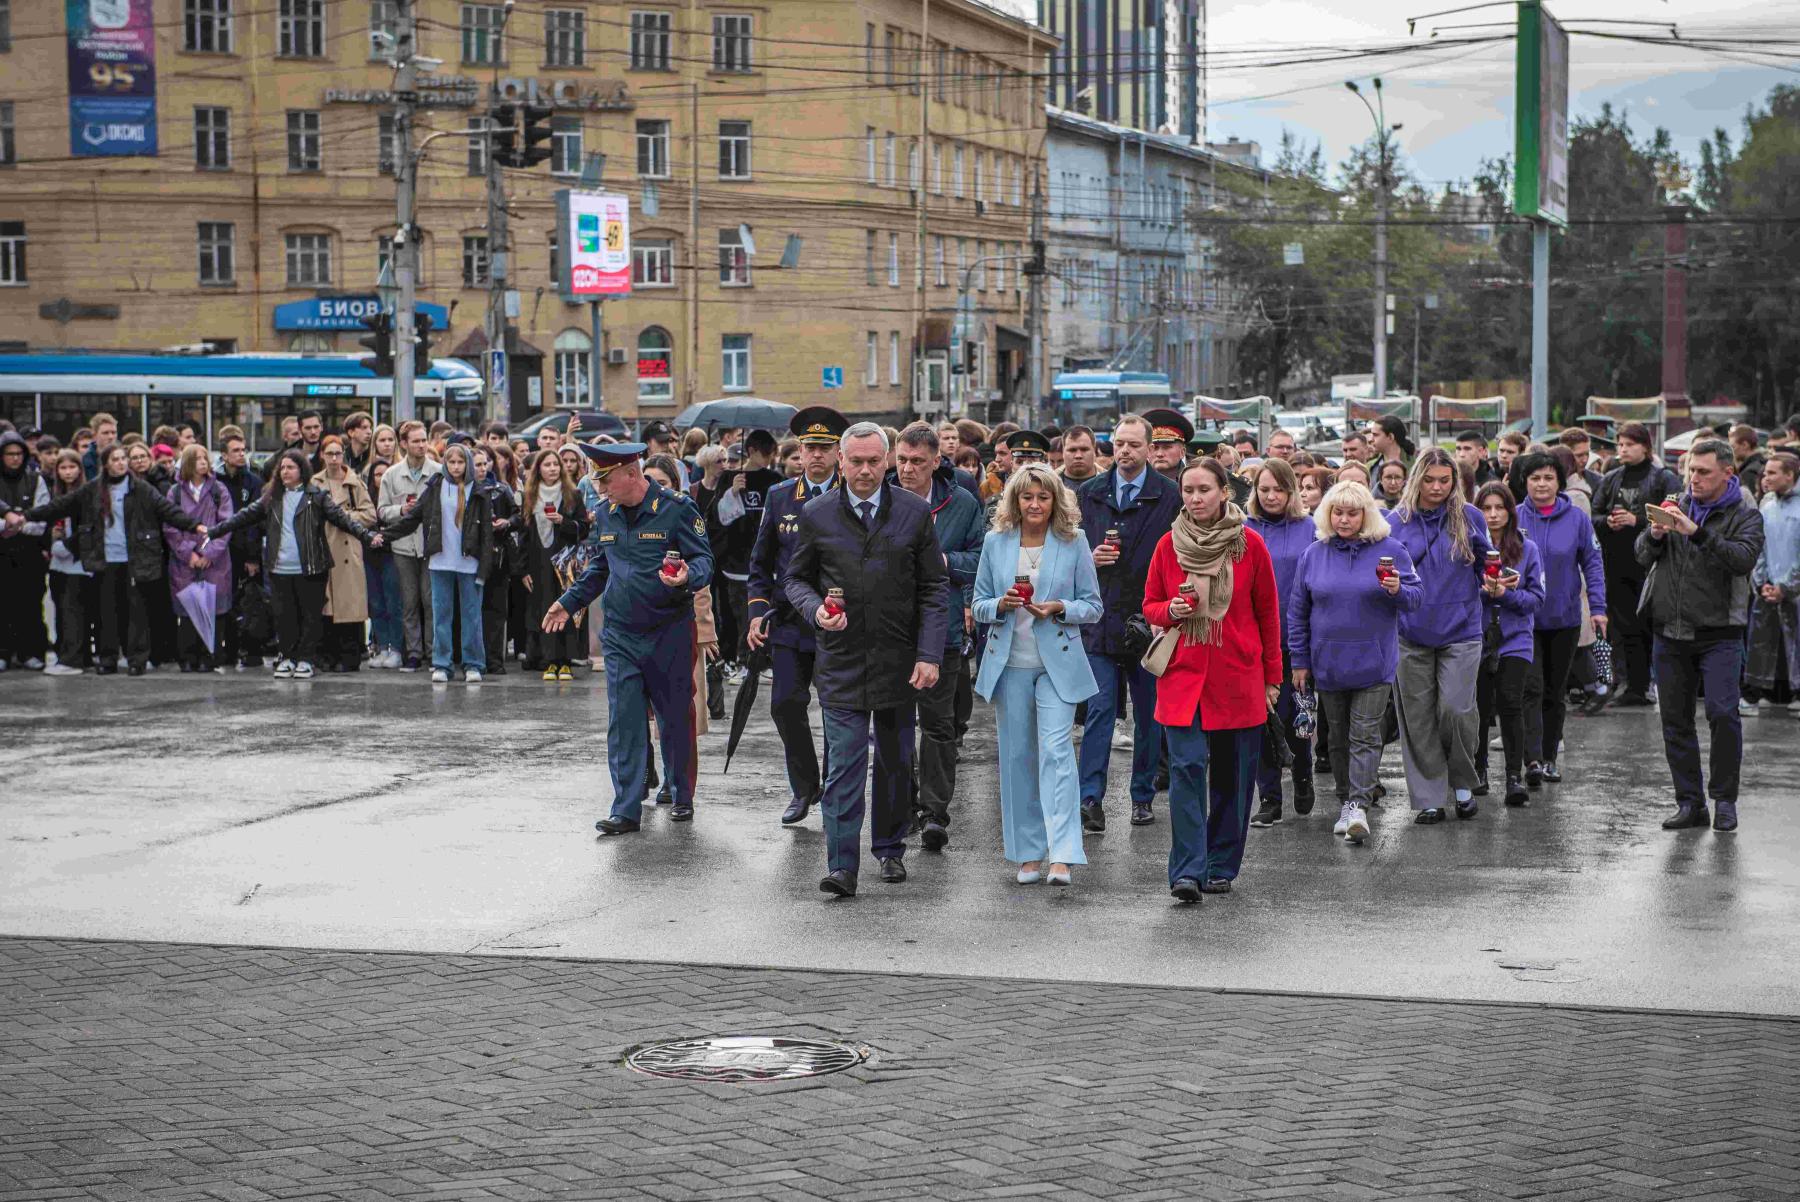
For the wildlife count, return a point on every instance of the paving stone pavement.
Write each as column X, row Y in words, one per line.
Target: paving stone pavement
column 154, row 1071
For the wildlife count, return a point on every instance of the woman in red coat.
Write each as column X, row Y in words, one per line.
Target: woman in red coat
column 1212, row 577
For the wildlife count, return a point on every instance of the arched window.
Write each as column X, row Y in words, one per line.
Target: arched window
column 574, row 389
column 655, row 366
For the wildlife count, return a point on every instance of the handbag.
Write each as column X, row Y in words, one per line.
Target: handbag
column 1275, row 749
column 255, row 622
column 1138, row 637
column 1161, row 650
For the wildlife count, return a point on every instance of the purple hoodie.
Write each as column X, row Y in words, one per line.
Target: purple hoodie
column 1342, row 625
column 1517, row 606
column 1287, row 539
column 1452, row 609
column 1570, row 552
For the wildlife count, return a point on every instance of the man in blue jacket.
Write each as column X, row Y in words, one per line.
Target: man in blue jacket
column 958, row 521
column 647, row 641
column 1140, row 505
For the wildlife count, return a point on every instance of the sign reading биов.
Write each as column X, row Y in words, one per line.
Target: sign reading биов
column 112, row 78
column 345, row 313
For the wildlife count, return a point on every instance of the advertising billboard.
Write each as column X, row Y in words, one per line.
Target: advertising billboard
column 1541, row 117
column 594, row 244
column 112, row 78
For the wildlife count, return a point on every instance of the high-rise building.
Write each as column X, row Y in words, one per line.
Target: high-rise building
column 1136, row 63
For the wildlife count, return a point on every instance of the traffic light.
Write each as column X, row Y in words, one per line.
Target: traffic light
column 422, row 345
column 534, row 139
column 503, row 138
column 1036, row 264
column 380, row 340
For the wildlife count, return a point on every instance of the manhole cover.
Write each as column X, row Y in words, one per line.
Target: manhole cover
column 744, row 1058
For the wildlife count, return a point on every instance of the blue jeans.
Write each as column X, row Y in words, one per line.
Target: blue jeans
column 847, row 758
column 1212, row 775
column 1040, row 811
column 1685, row 667
column 383, row 580
column 1112, row 674
column 451, row 592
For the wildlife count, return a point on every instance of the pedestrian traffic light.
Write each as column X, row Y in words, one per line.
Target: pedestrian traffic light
column 421, row 345
column 534, row 138
column 504, row 138
column 380, row 340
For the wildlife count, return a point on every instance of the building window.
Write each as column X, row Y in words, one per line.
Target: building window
column 887, row 157
column 869, row 51
column 301, row 28
column 869, row 257
column 655, row 364
column 565, row 145
column 218, row 252
column 962, row 262
column 475, row 261
column 206, row 26
column 571, row 369
column 735, row 362
column 308, row 260
column 893, row 260
column 384, row 252
column 653, row 149
column 212, row 139
column 893, row 356
column 912, row 165
column 5, row 25
column 956, row 172
column 386, row 140
column 872, row 359
column 891, row 71
column 869, row 148
column 734, row 150
column 481, row 30
column 12, row 252
column 937, row 168
column 980, row 266
column 937, row 253
column 478, row 147
column 650, row 41
column 303, row 140
column 734, row 263
column 565, row 37
column 978, row 157
column 940, row 68
column 731, row 42
column 653, row 262
column 384, row 28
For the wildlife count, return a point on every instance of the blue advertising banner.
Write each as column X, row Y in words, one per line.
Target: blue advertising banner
column 345, row 313
column 112, row 77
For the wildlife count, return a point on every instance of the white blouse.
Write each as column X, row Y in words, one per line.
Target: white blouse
column 1024, row 650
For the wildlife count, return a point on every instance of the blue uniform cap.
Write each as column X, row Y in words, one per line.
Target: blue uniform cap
column 607, row 456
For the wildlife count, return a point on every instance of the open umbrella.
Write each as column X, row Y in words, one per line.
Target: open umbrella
column 751, row 413
column 197, row 601
column 746, row 700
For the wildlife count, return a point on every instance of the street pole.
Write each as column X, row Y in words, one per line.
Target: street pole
column 595, row 357
column 920, row 396
column 405, row 193
column 1540, row 329
column 497, row 273
column 1418, row 319
column 1034, row 370
column 1378, row 113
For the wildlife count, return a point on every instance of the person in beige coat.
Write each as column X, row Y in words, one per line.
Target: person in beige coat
column 346, row 588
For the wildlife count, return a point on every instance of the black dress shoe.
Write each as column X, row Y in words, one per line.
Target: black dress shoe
column 1467, row 809
column 840, row 883
column 1631, row 700
column 892, row 870
column 934, row 836
column 1481, row 784
column 1725, row 816
column 1141, row 814
column 683, row 812
column 1186, row 889
column 796, row 811
column 107, row 670
column 665, row 795
column 1594, row 703
column 1427, row 817
column 1217, row 884
column 135, row 670
column 1303, row 796
column 1093, row 818
column 1534, row 775
column 1688, row 816
column 1552, row 773
column 615, row 826
column 1516, row 793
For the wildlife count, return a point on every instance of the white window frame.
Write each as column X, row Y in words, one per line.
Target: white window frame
column 477, row 263
column 13, row 240
column 734, row 263
column 653, row 263
column 894, row 357
column 215, row 244
column 937, row 167
column 937, row 250
column 384, row 28
column 656, row 390
column 478, row 147
column 734, row 150
column 732, row 35
column 889, row 160
column 300, row 29
column 571, row 367
column 872, row 360
column 567, row 139
column 206, row 26
column 735, row 363
column 565, row 37
column 305, row 132
column 893, row 260
column 869, row 150
column 310, row 251
column 212, row 135
column 869, row 257
column 956, row 170
column 653, row 137
column 913, row 166
column 482, row 35
column 981, row 272
column 651, row 31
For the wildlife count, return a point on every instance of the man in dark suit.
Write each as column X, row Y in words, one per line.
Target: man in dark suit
column 878, row 648
column 1140, row 504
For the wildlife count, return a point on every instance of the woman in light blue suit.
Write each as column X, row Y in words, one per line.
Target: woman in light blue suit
column 1034, row 669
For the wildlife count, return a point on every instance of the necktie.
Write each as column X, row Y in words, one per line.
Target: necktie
column 867, row 509
column 1126, row 493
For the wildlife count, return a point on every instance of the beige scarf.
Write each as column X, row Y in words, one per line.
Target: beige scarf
column 1206, row 554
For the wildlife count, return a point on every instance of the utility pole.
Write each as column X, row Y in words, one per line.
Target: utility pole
column 1378, row 111
column 405, row 204
column 498, row 399
column 921, row 396
column 1034, row 274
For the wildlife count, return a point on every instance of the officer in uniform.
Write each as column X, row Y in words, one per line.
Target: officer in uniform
column 647, row 638
column 772, row 617
column 1169, row 435
column 1028, row 446
column 1206, row 444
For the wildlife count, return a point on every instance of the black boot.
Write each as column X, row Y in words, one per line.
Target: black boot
column 1516, row 793
column 1303, row 796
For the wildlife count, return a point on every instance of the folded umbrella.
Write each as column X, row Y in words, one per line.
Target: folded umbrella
column 197, row 601
column 746, row 700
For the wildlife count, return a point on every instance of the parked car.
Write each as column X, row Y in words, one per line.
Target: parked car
column 593, row 421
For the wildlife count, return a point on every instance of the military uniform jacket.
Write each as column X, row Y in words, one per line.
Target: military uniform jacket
column 631, row 543
column 769, row 558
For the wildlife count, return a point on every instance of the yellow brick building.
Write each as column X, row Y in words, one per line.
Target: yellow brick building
column 796, row 122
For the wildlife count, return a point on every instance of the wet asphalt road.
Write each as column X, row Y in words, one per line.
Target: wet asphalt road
column 376, row 811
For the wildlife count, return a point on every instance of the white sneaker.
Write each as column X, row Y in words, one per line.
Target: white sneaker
column 1342, row 825
column 2, row 665
column 37, row 665
column 284, row 669
column 1747, row 709
column 1356, row 824
column 439, row 676
column 394, row 658
column 471, row 676
column 302, row 671
column 1794, row 706
column 61, row 670
column 1121, row 737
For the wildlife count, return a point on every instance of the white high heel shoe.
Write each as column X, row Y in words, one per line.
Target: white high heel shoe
column 1030, row 876
column 1059, row 877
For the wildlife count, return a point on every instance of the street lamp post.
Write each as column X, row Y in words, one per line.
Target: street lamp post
column 1378, row 113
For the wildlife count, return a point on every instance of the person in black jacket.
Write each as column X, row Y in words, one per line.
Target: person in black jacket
column 552, row 520
column 1618, row 508
column 118, row 524
column 458, row 545
column 496, row 587
column 875, row 542
column 244, row 486
column 22, row 570
column 293, row 513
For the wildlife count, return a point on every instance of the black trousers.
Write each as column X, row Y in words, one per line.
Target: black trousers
column 737, row 595
column 75, row 598
column 790, row 695
column 496, row 599
column 1547, row 691
column 965, row 694
column 190, row 646
column 1500, row 692
column 232, row 647
column 1629, row 632
column 159, row 608
column 937, row 742
column 299, row 603
column 22, row 607
column 124, row 618
column 344, row 643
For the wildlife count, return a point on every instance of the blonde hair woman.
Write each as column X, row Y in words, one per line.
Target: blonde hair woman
column 1037, row 586
column 1343, row 617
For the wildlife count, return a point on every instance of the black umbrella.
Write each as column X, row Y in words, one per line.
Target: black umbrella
column 748, row 412
column 746, row 700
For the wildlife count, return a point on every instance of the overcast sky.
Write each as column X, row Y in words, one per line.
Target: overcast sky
column 1456, row 104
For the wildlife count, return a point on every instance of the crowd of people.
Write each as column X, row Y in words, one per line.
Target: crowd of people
column 1252, row 623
